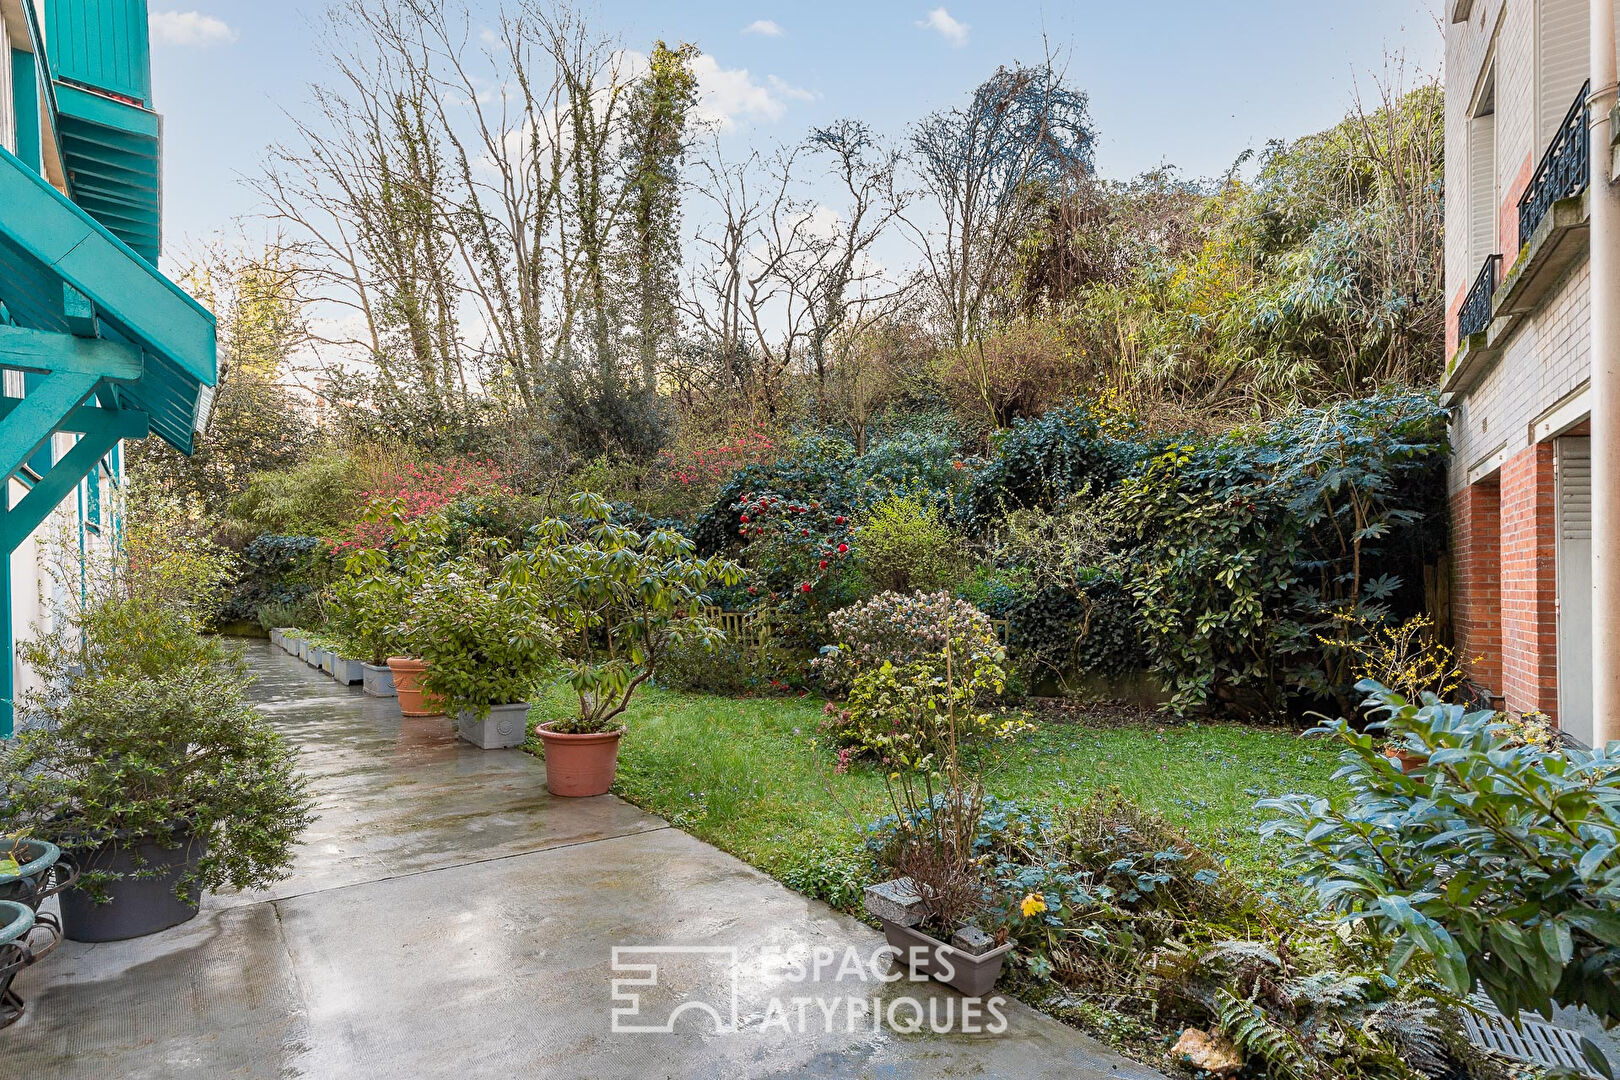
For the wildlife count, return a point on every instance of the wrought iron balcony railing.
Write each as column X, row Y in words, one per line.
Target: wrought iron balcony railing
column 1476, row 310
column 1563, row 170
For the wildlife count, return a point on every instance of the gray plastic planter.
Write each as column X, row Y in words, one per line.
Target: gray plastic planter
column 973, row 975
column 897, row 904
column 136, row 906
column 275, row 638
column 329, row 662
column 300, row 648
column 313, row 655
column 377, row 680
column 347, row 672
column 504, row 727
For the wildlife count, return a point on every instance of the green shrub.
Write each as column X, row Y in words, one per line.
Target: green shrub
column 318, row 497
column 484, row 636
column 901, row 715
column 903, row 543
column 1500, row 862
column 765, row 665
column 371, row 604
column 1040, row 463
column 902, row 629
column 1244, row 553
column 619, row 599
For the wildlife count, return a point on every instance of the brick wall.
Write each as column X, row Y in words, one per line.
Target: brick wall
column 1528, row 580
column 1476, row 561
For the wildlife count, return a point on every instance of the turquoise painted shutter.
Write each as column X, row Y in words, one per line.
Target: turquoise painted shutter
column 25, row 104
column 101, row 43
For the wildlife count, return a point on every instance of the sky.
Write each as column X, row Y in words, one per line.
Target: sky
column 1190, row 83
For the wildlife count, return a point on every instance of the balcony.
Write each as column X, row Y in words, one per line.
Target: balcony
column 1563, row 172
column 1475, row 316
column 1554, row 220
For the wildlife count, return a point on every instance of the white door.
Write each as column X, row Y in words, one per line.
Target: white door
column 1573, row 462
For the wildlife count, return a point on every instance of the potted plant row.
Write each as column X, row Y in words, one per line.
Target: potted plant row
column 331, row 654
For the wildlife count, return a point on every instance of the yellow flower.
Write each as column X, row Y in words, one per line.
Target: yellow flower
column 1033, row 904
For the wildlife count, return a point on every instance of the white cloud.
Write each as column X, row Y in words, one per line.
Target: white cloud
column 952, row 31
column 764, row 28
column 727, row 95
column 191, row 29
column 788, row 90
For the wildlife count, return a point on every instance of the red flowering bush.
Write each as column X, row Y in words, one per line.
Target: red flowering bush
column 419, row 490
column 796, row 551
column 708, row 465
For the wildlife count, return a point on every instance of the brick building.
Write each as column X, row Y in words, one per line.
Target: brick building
column 1516, row 272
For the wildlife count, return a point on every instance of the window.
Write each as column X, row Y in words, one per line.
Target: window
column 1482, row 200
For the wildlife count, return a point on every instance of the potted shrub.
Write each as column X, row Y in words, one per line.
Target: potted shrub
column 619, row 600
column 486, row 644
column 152, row 770
column 932, row 908
column 138, row 754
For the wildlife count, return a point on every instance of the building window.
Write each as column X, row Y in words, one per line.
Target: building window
column 1482, row 200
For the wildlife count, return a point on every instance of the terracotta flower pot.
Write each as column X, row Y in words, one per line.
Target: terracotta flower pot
column 579, row 765
column 1408, row 762
column 413, row 700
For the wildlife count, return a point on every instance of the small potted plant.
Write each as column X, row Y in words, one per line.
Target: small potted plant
column 32, row 871
column 619, row 600
column 486, row 644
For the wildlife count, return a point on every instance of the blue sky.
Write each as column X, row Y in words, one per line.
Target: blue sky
column 1185, row 82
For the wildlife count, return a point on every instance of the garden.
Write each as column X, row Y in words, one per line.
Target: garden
column 1040, row 708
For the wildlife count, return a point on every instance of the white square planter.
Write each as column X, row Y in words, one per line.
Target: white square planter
column 275, row 638
column 348, row 672
column 377, row 680
column 329, row 661
column 506, row 726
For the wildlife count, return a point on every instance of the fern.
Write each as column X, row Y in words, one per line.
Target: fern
column 1244, row 953
column 1409, row 1028
column 1256, row 1034
column 1326, row 990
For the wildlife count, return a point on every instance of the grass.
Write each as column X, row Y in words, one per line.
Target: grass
column 746, row 775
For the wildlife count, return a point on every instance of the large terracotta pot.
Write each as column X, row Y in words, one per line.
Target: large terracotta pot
column 579, row 765
column 413, row 700
column 1409, row 763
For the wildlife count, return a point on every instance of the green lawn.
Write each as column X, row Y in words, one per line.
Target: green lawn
column 746, row 775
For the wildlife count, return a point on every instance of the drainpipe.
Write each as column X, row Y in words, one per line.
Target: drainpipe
column 1605, row 387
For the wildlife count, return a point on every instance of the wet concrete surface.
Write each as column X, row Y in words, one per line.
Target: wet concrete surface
column 448, row 918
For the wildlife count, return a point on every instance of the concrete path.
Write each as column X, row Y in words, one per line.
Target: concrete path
column 448, row 918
